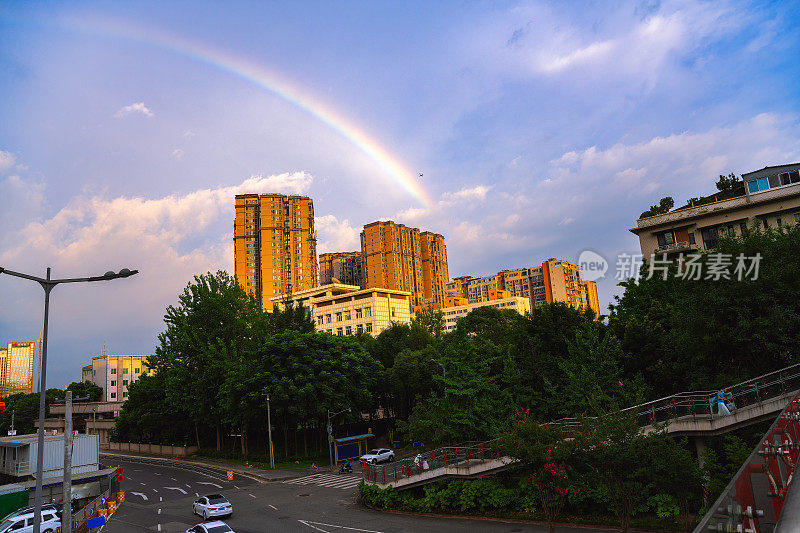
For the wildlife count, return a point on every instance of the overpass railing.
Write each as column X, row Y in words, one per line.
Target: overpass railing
column 465, row 454
column 704, row 403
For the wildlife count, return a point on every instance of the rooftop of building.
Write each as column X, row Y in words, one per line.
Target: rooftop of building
column 124, row 356
column 736, row 198
column 361, row 292
column 335, row 289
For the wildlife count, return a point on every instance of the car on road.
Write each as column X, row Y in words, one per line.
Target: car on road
column 23, row 523
column 378, row 455
column 217, row 526
column 212, row 505
column 55, row 507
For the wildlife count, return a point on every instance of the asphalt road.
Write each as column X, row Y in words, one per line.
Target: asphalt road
column 159, row 498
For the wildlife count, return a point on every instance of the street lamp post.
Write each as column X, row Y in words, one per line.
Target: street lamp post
column 48, row 285
column 269, row 432
column 330, row 433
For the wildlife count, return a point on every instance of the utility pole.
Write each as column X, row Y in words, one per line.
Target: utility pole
column 269, row 431
column 66, row 510
column 12, row 431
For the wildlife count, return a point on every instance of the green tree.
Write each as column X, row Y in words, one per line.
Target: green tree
column 664, row 205
column 25, row 408
column 86, row 389
column 728, row 183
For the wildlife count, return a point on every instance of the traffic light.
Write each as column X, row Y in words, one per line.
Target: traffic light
column 119, row 474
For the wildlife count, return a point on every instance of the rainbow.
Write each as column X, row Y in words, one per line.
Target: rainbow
column 266, row 79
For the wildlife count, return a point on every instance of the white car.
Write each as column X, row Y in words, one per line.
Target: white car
column 211, row 527
column 212, row 505
column 378, row 455
column 24, row 523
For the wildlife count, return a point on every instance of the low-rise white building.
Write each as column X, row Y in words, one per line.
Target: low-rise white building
column 114, row 373
column 451, row 315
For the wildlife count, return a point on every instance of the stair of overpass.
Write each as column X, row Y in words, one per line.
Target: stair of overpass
column 467, row 460
column 694, row 414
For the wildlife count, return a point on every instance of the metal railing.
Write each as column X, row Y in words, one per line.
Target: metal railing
column 703, row 404
column 89, row 509
column 460, row 456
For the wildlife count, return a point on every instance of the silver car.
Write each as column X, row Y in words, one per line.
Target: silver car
column 378, row 455
column 212, row 505
column 211, row 527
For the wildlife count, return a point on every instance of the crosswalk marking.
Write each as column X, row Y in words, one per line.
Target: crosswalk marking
column 333, row 481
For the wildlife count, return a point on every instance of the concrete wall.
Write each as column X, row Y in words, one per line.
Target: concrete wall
column 150, row 449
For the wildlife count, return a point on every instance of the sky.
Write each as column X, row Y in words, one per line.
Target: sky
column 518, row 130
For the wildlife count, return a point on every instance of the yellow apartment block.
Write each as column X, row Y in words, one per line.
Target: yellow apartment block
column 365, row 310
column 402, row 258
column 345, row 267
column 114, row 373
column 274, row 245
column 499, row 299
column 554, row 280
column 16, row 368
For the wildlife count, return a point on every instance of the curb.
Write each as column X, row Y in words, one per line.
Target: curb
column 221, row 469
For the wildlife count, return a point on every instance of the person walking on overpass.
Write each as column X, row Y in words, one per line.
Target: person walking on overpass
column 722, row 409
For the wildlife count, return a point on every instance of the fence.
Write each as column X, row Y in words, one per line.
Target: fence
column 151, row 449
column 89, row 510
column 461, row 455
column 704, row 403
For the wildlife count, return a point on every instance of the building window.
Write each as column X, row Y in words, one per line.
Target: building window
column 113, row 395
column 113, row 370
column 348, row 330
column 339, row 331
column 339, row 316
column 691, row 238
column 392, row 311
column 113, row 384
column 369, row 327
column 360, row 329
column 124, row 381
column 758, row 185
column 124, row 370
column 359, row 313
column 136, row 370
column 328, row 319
column 367, row 312
column 710, row 237
column 124, row 395
column 347, row 315
column 319, row 320
column 742, row 227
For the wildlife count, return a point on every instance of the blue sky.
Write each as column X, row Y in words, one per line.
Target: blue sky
column 541, row 130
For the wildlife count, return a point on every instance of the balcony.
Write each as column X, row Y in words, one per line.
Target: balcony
column 678, row 246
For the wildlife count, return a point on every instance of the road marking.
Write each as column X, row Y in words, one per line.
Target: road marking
column 157, row 473
column 188, row 485
column 176, row 488
column 173, row 479
column 251, row 495
column 155, row 490
column 314, row 525
column 160, row 499
column 140, row 494
column 335, row 481
column 197, row 494
column 140, row 483
column 159, row 527
column 273, row 507
column 237, row 488
column 159, row 510
column 210, row 483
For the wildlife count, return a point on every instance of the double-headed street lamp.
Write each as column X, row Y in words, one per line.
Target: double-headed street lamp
column 48, row 285
column 330, row 432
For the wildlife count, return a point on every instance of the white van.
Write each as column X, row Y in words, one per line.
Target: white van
column 24, row 523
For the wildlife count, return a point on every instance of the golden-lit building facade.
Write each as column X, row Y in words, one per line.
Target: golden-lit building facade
column 555, row 280
column 275, row 245
column 115, row 373
column 346, row 267
column 16, row 368
column 402, row 258
column 361, row 311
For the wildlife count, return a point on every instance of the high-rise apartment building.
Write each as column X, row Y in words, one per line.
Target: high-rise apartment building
column 16, row 368
column 347, row 267
column 401, row 258
column 554, row 280
column 274, row 245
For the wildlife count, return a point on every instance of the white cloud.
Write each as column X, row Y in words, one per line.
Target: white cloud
column 138, row 107
column 474, row 193
column 334, row 235
column 177, row 153
column 6, row 160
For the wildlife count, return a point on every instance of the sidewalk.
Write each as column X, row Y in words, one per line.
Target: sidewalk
column 221, row 467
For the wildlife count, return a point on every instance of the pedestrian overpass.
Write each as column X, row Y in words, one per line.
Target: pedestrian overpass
column 687, row 414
